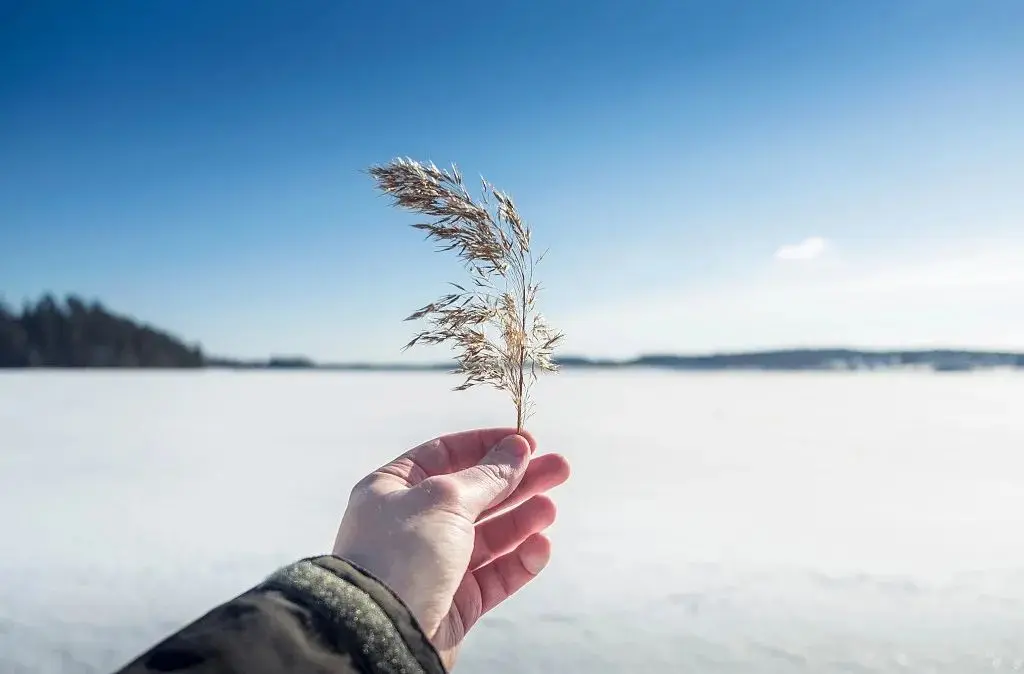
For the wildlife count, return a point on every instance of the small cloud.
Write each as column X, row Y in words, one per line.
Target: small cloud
column 808, row 249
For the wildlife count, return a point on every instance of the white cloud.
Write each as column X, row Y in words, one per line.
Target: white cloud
column 961, row 296
column 808, row 249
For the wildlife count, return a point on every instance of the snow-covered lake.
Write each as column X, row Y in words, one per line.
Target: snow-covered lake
column 714, row 523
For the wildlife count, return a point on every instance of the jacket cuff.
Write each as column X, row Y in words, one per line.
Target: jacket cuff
column 363, row 610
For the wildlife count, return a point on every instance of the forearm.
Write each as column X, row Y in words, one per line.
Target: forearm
column 315, row 616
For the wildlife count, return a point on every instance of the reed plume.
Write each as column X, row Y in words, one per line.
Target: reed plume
column 492, row 320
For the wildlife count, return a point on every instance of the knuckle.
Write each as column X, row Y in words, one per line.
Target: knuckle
column 496, row 477
column 359, row 488
column 363, row 490
column 443, row 491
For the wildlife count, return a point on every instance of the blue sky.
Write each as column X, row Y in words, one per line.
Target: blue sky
column 708, row 175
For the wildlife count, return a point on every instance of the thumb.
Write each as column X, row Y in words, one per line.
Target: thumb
column 495, row 477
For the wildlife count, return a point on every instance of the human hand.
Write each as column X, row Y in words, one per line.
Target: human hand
column 453, row 526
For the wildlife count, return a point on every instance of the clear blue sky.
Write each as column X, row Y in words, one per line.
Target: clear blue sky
column 707, row 174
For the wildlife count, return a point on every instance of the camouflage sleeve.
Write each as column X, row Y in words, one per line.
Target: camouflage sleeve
column 318, row 615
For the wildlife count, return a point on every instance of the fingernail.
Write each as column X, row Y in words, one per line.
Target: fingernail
column 513, row 446
column 534, row 561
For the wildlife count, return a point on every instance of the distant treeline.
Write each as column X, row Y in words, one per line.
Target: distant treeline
column 942, row 360
column 73, row 333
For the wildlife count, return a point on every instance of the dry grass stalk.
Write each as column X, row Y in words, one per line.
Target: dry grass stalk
column 500, row 337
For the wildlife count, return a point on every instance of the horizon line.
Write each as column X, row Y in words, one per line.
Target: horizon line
column 598, row 360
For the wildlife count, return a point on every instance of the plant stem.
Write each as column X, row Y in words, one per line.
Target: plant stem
column 520, row 405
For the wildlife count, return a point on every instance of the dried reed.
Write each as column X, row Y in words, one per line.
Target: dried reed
column 494, row 326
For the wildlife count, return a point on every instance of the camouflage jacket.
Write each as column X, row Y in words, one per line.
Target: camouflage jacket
column 316, row 616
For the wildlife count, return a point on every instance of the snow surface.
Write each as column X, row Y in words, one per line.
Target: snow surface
column 714, row 522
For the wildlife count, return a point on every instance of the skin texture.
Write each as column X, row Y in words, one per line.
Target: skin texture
column 454, row 525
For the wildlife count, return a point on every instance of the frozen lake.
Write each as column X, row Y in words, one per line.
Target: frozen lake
column 714, row 522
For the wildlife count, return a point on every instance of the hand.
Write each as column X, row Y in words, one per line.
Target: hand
column 453, row 526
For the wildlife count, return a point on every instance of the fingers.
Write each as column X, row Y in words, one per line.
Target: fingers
column 506, row 532
column 506, row 575
column 544, row 473
column 449, row 454
column 492, row 584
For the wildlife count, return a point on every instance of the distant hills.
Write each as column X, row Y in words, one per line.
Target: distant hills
column 74, row 333
column 787, row 360
column 822, row 359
